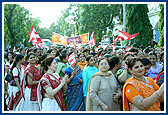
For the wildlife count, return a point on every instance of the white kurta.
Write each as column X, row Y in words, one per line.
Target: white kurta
column 50, row 105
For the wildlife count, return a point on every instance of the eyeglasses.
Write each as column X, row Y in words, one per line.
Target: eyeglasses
column 32, row 57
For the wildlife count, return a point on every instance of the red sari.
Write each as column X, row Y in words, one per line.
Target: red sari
column 48, row 82
column 35, row 75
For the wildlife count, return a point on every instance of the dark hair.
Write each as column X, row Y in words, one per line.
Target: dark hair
column 48, row 61
column 113, row 61
column 132, row 62
column 153, row 53
column 42, row 58
column 127, row 56
column 103, row 59
column 27, row 57
column 8, row 54
column 49, row 51
column 107, row 55
column 146, row 61
column 161, row 56
column 17, row 59
column 88, row 58
column 62, row 56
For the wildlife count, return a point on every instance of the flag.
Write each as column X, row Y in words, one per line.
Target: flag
column 92, row 41
column 124, row 36
column 71, row 59
column 34, row 37
column 127, row 49
column 114, row 48
column 14, row 50
column 78, row 46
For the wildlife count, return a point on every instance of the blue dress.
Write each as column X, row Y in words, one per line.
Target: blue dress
column 74, row 91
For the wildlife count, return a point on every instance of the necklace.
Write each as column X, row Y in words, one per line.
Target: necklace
column 140, row 78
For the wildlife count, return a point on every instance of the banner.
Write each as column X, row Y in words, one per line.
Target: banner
column 80, row 39
column 58, row 39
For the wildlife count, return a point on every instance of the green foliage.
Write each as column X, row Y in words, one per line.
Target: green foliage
column 161, row 25
column 137, row 21
column 17, row 25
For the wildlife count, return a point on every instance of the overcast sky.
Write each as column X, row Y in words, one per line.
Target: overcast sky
column 48, row 12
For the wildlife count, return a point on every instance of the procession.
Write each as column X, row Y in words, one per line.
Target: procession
column 85, row 70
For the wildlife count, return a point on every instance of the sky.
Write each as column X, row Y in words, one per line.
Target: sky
column 48, row 12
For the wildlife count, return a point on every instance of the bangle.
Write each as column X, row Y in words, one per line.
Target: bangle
column 125, row 68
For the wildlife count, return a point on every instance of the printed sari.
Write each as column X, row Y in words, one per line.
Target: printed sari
column 74, row 91
column 141, row 88
column 46, row 82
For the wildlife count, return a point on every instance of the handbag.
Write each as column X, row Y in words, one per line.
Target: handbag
column 8, row 77
column 12, row 82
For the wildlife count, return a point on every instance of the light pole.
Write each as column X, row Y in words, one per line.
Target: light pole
column 124, row 20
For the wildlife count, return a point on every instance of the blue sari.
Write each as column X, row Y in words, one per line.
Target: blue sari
column 74, row 91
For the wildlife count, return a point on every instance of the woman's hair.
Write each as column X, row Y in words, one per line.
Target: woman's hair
column 113, row 61
column 8, row 54
column 49, row 51
column 47, row 62
column 161, row 56
column 62, row 56
column 103, row 59
column 132, row 62
column 27, row 57
column 146, row 61
column 42, row 58
column 127, row 56
column 17, row 59
column 89, row 57
column 153, row 53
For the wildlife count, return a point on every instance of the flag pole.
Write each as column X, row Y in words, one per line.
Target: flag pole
column 124, row 21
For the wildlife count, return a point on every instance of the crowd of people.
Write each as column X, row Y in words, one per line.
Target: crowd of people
column 103, row 79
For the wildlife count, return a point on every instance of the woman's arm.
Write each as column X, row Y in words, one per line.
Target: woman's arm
column 123, row 77
column 30, row 81
column 146, row 103
column 51, row 92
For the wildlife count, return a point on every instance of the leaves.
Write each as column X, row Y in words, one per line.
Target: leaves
column 137, row 21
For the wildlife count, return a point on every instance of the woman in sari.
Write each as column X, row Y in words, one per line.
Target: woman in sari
column 103, row 91
column 51, row 87
column 141, row 93
column 82, row 61
column 87, row 73
column 74, row 91
column 30, row 82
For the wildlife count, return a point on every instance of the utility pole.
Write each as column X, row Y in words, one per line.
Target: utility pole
column 124, row 21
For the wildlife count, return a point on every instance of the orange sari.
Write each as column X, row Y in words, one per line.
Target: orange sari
column 137, row 87
column 82, row 65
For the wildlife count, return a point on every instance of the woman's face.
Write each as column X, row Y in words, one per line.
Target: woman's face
column 92, row 61
column 32, row 59
column 153, row 59
column 104, row 65
column 53, row 65
column 138, row 69
column 38, row 53
column 23, row 51
column 82, row 58
column 147, row 67
column 10, row 56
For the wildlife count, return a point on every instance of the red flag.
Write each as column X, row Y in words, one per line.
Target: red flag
column 34, row 37
column 71, row 59
column 91, row 40
column 14, row 50
column 78, row 46
column 124, row 36
column 127, row 49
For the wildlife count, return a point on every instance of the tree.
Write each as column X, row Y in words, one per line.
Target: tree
column 161, row 25
column 17, row 24
column 137, row 21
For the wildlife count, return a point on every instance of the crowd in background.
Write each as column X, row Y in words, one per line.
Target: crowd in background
column 102, row 79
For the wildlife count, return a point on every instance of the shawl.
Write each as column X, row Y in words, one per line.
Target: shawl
column 89, row 105
column 55, row 83
column 145, row 89
column 82, row 65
